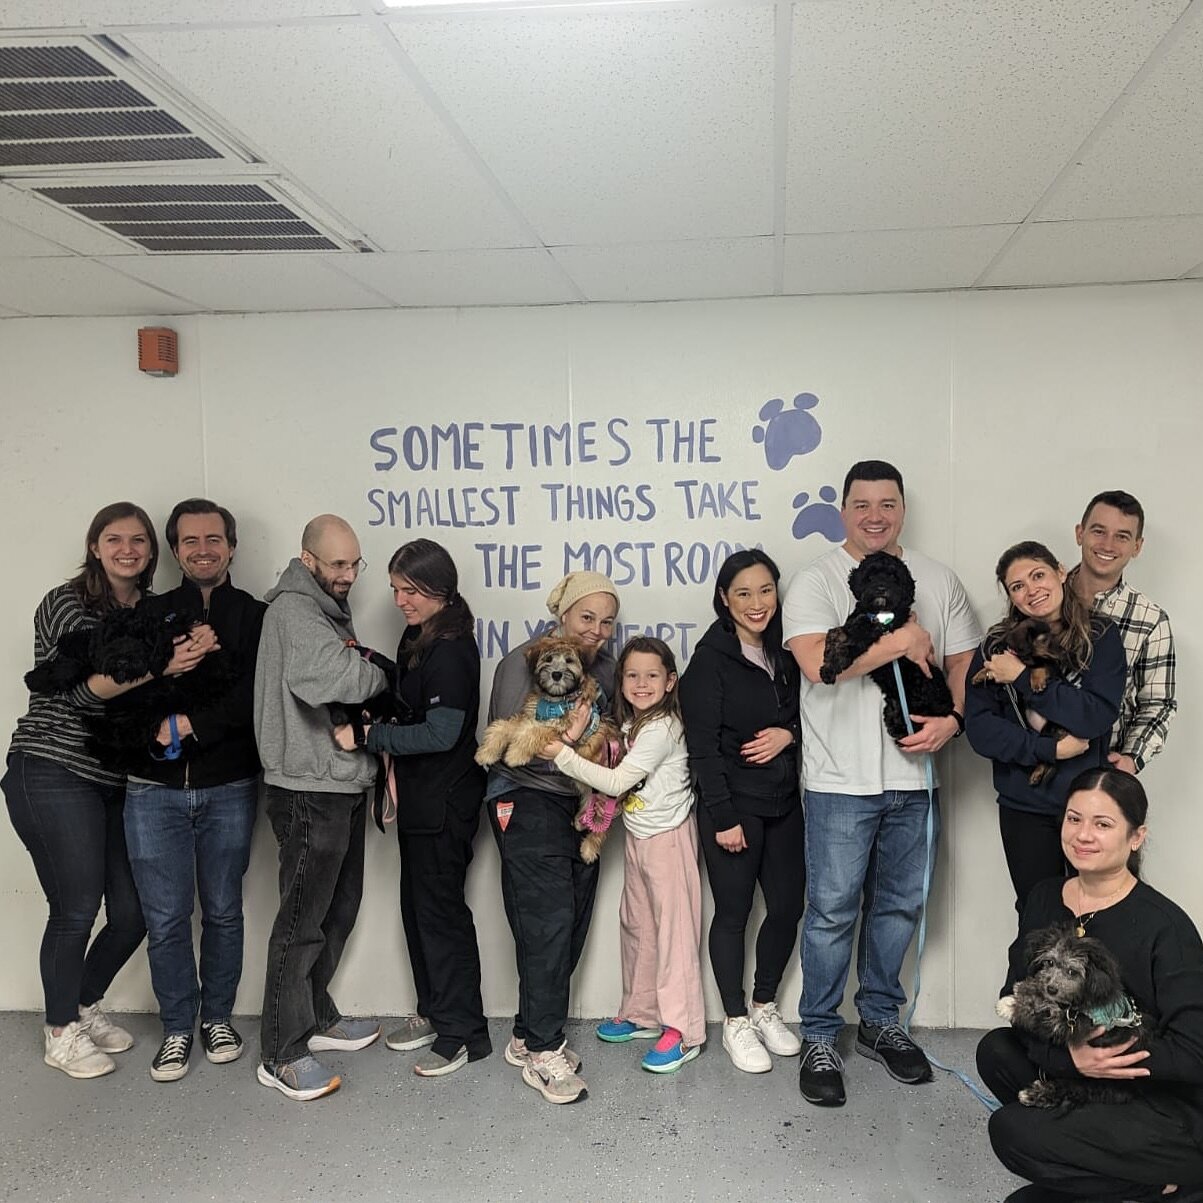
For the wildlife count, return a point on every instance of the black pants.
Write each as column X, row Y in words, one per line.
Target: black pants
column 776, row 857
column 548, row 893
column 321, row 883
column 74, row 830
column 441, row 936
column 1032, row 846
column 1100, row 1151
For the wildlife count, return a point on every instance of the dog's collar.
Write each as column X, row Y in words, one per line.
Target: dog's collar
column 884, row 618
column 1120, row 1013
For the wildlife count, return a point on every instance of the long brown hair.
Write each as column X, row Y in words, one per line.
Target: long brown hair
column 430, row 569
column 669, row 706
column 91, row 582
column 1078, row 628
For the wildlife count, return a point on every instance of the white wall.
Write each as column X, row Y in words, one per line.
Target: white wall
column 1004, row 411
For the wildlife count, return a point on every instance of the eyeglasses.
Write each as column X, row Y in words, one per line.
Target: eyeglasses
column 340, row 566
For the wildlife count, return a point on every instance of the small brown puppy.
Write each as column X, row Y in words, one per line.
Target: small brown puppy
column 1031, row 639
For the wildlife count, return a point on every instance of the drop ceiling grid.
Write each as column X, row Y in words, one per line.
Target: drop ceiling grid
column 16, row 242
column 259, row 283
column 95, row 14
column 57, row 225
column 1149, row 163
column 668, row 271
column 613, row 127
column 480, row 277
column 922, row 113
column 83, row 287
column 329, row 106
column 1099, row 252
column 890, row 260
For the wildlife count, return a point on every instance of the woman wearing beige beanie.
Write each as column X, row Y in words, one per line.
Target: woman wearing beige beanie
column 547, row 889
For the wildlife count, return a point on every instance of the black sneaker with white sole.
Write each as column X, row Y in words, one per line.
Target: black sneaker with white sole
column 171, row 1061
column 892, row 1047
column 221, row 1041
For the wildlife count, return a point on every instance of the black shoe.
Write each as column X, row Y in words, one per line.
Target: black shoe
column 821, row 1075
column 902, row 1057
column 222, row 1043
column 171, row 1061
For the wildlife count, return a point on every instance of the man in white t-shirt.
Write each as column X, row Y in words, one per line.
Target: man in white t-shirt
column 865, row 797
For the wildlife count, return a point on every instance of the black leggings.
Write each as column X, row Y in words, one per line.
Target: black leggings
column 1032, row 845
column 1099, row 1151
column 776, row 857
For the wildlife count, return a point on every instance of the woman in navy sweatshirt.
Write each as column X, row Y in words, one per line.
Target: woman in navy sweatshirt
column 1006, row 716
column 739, row 698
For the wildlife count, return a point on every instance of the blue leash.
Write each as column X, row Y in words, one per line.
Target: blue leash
column 172, row 750
column 983, row 1096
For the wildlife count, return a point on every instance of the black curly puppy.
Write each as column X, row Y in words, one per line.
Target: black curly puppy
column 885, row 592
column 1031, row 639
column 1073, row 987
column 126, row 646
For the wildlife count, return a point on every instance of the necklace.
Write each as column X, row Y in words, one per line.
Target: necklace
column 1081, row 919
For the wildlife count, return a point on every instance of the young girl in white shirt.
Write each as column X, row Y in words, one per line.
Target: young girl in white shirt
column 661, row 909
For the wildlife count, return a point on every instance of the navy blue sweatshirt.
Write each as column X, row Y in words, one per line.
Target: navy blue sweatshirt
column 1087, row 707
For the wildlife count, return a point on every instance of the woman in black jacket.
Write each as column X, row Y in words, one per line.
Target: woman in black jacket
column 739, row 697
column 438, row 788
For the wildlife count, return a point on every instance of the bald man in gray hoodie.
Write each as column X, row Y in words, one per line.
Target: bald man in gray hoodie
column 316, row 801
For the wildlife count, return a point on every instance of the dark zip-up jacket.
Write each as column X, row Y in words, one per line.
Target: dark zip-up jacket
column 221, row 748
column 725, row 700
column 1086, row 707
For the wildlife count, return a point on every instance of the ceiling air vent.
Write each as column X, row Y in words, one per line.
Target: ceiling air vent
column 75, row 103
column 198, row 217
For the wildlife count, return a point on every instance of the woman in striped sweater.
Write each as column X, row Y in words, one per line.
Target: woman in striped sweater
column 68, row 810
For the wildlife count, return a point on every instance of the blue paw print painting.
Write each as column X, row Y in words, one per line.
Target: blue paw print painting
column 787, row 432
column 820, row 517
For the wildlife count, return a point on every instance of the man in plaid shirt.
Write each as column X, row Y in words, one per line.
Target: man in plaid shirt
column 1111, row 534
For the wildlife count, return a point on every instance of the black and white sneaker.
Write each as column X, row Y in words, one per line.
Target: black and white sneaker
column 171, row 1061
column 221, row 1040
column 892, row 1047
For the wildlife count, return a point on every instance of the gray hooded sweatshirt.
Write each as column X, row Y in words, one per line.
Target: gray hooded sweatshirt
column 304, row 662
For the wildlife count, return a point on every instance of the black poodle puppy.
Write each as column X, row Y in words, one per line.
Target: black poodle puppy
column 885, row 592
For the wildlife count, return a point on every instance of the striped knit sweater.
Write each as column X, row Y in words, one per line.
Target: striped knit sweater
column 53, row 728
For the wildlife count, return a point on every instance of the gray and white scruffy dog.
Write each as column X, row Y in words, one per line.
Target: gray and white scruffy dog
column 1073, row 986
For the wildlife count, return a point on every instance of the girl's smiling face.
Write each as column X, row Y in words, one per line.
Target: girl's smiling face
column 645, row 681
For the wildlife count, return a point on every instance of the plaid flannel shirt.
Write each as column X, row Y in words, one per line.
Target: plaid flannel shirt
column 1148, row 703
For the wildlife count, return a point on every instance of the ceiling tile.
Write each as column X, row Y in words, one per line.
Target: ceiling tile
column 18, row 243
column 252, row 283
column 330, row 106
column 56, row 225
column 517, row 277
column 926, row 113
column 9, row 312
column 92, row 14
column 614, row 126
column 1089, row 252
column 49, row 287
column 890, row 260
column 667, row 271
column 1149, row 162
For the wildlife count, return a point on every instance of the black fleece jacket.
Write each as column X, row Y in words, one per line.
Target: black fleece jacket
column 725, row 700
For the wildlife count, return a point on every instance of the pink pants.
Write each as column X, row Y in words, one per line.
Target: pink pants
column 661, row 920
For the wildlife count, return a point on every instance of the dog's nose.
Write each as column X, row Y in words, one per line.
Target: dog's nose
column 556, row 676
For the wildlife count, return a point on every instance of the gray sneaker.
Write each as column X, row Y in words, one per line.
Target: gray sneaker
column 415, row 1032
column 304, row 1079
column 105, row 1034
column 434, row 1065
column 73, row 1052
column 346, row 1035
column 517, row 1054
column 551, row 1076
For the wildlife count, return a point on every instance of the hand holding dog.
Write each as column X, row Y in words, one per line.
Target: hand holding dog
column 1069, row 746
column 1112, row 1062
column 1004, row 667
column 577, row 725
column 766, row 745
column 931, row 734
column 917, row 646
column 191, row 649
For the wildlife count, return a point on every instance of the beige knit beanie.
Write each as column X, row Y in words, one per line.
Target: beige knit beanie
column 577, row 585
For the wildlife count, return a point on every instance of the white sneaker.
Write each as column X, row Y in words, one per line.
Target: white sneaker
column 743, row 1046
column 107, row 1036
column 550, row 1075
column 73, row 1052
column 770, row 1027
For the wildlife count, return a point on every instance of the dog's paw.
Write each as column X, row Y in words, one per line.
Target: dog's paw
column 485, row 757
column 1005, row 1007
column 515, row 757
column 1039, row 1094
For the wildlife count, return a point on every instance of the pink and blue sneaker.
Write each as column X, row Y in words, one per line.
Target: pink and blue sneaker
column 619, row 1031
column 669, row 1054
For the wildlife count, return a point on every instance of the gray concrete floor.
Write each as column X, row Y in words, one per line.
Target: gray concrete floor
column 705, row 1133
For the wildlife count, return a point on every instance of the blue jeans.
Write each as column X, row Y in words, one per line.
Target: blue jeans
column 184, row 842
column 73, row 830
column 865, row 854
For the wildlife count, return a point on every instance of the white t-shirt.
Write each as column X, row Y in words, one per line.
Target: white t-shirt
column 657, row 757
column 845, row 747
